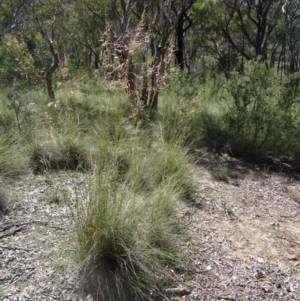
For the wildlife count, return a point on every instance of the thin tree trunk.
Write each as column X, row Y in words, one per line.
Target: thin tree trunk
column 179, row 37
column 155, row 85
column 130, row 79
column 49, row 76
column 54, row 66
column 144, row 96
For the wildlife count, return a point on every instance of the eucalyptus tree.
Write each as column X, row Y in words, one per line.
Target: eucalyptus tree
column 15, row 60
column 183, row 22
column 290, row 35
column 255, row 21
column 240, row 30
column 12, row 15
column 41, row 25
column 50, row 22
column 90, row 20
column 205, row 39
column 139, row 33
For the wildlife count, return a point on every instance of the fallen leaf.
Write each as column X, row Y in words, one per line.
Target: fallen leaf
column 293, row 255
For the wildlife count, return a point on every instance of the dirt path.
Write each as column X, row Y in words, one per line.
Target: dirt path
column 243, row 237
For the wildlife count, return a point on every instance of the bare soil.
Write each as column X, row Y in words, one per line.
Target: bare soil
column 243, row 236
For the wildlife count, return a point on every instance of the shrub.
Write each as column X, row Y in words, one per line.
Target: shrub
column 259, row 118
column 17, row 63
column 253, row 114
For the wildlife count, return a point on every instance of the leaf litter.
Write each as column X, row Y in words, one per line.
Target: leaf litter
column 242, row 237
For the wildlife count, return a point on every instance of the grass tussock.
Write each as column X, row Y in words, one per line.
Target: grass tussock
column 130, row 221
column 53, row 154
column 14, row 160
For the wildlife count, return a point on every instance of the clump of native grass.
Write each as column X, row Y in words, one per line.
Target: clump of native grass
column 14, row 119
column 13, row 157
column 127, row 229
column 68, row 133
column 76, row 129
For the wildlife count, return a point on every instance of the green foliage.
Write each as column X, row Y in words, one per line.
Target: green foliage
column 20, row 103
column 254, row 114
column 13, row 157
column 260, row 112
column 128, row 220
column 183, row 85
column 17, row 63
column 55, row 155
column 129, row 217
column 163, row 162
column 140, row 173
column 177, row 108
column 223, row 167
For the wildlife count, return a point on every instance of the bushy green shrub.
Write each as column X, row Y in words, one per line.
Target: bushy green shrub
column 17, row 63
column 253, row 114
column 260, row 113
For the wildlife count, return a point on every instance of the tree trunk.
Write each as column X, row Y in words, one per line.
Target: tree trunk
column 49, row 76
column 157, row 67
column 144, row 96
column 129, row 69
column 97, row 61
column 154, row 89
column 179, row 37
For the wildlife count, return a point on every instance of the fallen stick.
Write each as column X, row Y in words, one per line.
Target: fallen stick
column 178, row 291
column 12, row 232
column 292, row 241
column 14, row 248
column 225, row 298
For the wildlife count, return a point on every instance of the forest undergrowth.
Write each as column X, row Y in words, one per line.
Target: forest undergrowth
column 142, row 172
